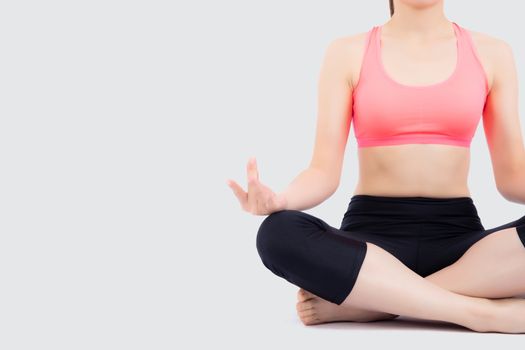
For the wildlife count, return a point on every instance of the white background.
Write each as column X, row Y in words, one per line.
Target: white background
column 120, row 122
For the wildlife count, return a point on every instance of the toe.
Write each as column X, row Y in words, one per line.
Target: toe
column 304, row 295
column 310, row 320
column 307, row 313
column 304, row 305
column 301, row 293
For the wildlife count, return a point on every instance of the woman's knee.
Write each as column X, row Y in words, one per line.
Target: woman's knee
column 278, row 234
column 272, row 230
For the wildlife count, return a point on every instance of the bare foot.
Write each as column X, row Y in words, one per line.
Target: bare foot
column 504, row 315
column 312, row 310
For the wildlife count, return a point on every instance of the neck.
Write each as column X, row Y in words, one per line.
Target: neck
column 424, row 21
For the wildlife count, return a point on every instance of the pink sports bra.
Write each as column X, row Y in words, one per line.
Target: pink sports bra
column 386, row 112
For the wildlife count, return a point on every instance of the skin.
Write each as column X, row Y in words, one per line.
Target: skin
column 481, row 290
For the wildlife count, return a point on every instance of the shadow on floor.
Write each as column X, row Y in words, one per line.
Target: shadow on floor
column 400, row 323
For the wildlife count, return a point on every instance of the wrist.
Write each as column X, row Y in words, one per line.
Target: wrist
column 282, row 198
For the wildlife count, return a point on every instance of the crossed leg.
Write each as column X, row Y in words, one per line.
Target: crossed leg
column 493, row 267
column 385, row 284
column 308, row 252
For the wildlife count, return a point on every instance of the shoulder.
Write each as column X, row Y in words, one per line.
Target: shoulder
column 348, row 50
column 353, row 41
column 495, row 53
column 490, row 43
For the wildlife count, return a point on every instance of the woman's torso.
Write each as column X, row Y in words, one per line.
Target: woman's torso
column 414, row 169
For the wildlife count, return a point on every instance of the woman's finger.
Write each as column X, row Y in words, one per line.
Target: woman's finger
column 252, row 168
column 241, row 195
column 254, row 193
column 253, row 182
column 265, row 198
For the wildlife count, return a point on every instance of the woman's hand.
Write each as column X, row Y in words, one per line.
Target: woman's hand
column 260, row 199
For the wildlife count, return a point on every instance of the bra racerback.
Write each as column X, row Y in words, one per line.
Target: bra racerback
column 387, row 112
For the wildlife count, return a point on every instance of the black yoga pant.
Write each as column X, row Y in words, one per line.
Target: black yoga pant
column 424, row 233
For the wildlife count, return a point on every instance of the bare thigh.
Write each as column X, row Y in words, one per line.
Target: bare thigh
column 493, row 267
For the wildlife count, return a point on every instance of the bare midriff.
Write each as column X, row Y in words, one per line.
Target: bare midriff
column 427, row 170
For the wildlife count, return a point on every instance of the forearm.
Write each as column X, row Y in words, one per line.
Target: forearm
column 311, row 187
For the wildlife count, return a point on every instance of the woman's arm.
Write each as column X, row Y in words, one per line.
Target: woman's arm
column 502, row 125
column 321, row 179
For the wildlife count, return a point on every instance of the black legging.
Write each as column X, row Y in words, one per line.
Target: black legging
column 426, row 234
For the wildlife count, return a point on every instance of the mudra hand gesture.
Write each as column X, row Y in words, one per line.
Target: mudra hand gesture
column 260, row 199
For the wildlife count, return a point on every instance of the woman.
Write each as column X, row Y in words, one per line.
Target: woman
column 411, row 242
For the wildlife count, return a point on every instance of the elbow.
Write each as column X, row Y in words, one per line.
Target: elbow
column 505, row 193
column 504, row 188
column 514, row 197
column 328, row 190
column 513, row 188
column 333, row 188
column 329, row 181
column 334, row 185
